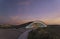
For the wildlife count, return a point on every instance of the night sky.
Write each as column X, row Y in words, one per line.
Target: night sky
column 21, row 11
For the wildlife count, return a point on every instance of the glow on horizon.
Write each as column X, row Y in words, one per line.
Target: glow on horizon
column 12, row 12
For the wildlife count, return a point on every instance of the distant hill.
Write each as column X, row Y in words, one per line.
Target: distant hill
column 15, row 26
column 24, row 25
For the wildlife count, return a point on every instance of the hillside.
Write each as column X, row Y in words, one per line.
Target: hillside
column 13, row 33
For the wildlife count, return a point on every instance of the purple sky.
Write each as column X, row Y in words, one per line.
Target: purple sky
column 20, row 11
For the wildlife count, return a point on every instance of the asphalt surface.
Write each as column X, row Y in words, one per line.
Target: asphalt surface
column 11, row 33
column 24, row 35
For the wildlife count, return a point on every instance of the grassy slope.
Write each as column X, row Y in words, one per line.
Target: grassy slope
column 14, row 33
column 55, row 30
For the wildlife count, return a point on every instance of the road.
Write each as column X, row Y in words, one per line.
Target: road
column 24, row 35
column 10, row 33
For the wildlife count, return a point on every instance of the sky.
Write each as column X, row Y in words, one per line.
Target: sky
column 21, row 11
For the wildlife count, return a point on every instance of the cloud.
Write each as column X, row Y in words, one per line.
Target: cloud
column 1, row 17
column 16, row 20
column 52, row 21
column 11, row 20
column 19, row 20
column 24, row 3
column 3, row 20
